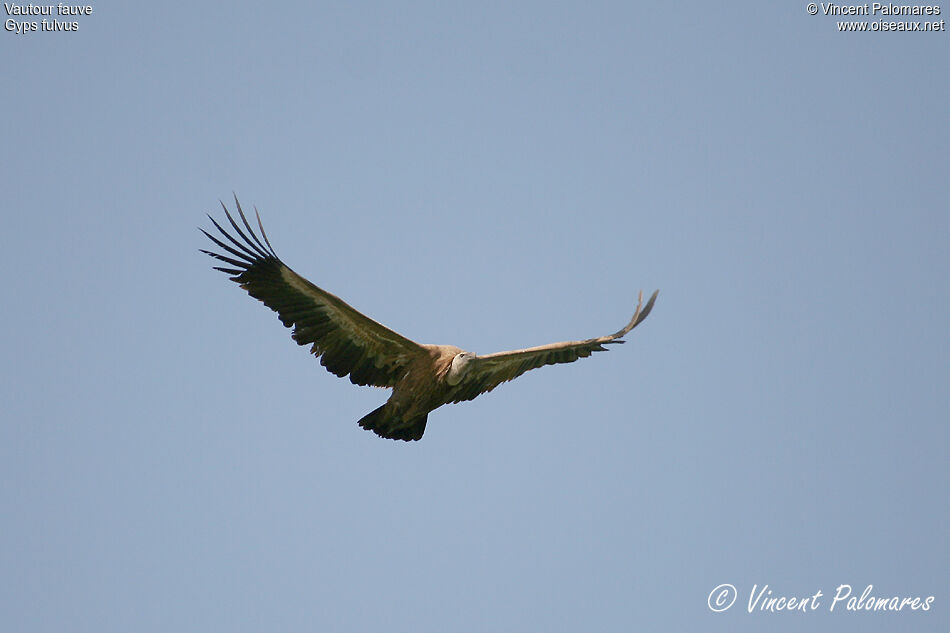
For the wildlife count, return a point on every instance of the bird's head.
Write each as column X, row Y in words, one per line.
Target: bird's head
column 460, row 365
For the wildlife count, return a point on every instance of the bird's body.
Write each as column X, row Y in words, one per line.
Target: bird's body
column 423, row 377
column 422, row 388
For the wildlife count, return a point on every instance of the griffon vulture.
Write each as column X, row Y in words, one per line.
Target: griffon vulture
column 422, row 377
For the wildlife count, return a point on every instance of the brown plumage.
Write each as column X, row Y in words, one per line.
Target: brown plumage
column 422, row 377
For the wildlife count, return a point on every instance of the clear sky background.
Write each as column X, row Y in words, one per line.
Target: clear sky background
column 490, row 175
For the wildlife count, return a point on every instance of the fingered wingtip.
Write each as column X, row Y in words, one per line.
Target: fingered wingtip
column 639, row 315
column 244, row 245
column 649, row 305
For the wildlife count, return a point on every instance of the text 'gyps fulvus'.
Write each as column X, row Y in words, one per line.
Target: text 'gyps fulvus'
column 423, row 377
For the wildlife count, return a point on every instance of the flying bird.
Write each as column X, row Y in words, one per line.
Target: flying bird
column 422, row 377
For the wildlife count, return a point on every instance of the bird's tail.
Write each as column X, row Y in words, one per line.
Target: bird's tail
column 384, row 423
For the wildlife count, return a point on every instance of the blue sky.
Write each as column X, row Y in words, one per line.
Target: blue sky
column 490, row 176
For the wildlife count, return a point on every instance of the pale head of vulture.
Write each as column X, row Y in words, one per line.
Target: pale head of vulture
column 349, row 343
column 459, row 366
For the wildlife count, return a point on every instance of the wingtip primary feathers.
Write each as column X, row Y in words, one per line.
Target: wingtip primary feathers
column 639, row 315
column 248, row 251
column 649, row 306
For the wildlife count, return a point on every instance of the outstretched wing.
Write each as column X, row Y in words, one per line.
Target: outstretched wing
column 346, row 341
column 487, row 372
